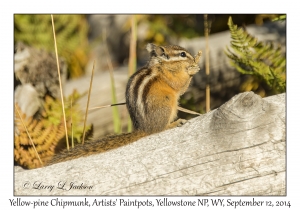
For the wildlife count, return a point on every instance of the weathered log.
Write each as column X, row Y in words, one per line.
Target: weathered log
column 237, row 149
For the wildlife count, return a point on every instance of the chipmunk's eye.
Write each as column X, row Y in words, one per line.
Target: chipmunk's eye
column 183, row 54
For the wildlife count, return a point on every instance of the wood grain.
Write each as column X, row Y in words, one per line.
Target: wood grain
column 237, row 149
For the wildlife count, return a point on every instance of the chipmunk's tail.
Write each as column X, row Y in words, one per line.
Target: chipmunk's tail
column 96, row 146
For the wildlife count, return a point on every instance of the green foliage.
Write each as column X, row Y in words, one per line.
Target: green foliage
column 252, row 57
column 159, row 28
column 280, row 18
column 71, row 35
column 115, row 110
column 54, row 115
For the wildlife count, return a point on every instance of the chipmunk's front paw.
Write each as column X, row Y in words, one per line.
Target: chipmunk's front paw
column 193, row 70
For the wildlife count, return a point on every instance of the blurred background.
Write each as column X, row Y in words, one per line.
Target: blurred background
column 116, row 44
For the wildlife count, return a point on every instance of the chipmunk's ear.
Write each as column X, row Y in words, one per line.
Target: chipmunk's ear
column 155, row 50
column 150, row 47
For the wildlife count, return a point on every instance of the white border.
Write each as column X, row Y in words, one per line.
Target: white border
column 152, row 6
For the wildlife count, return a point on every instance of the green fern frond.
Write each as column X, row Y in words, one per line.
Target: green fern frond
column 264, row 60
column 47, row 132
column 53, row 113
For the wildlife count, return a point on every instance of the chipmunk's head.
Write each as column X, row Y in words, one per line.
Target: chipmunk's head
column 173, row 58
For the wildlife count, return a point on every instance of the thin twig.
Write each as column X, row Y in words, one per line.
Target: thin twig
column 179, row 108
column 60, row 86
column 72, row 122
column 105, row 106
column 37, row 154
column 132, row 58
column 132, row 47
column 187, row 111
column 88, row 102
column 206, row 32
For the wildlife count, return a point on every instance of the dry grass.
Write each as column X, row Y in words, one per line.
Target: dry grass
column 115, row 110
column 188, row 111
column 72, row 137
column 60, row 86
column 88, row 102
column 206, row 32
column 132, row 58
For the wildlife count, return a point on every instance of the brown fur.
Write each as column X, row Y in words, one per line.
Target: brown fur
column 97, row 146
column 152, row 93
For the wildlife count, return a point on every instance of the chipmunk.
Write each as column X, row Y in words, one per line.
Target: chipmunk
column 152, row 95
